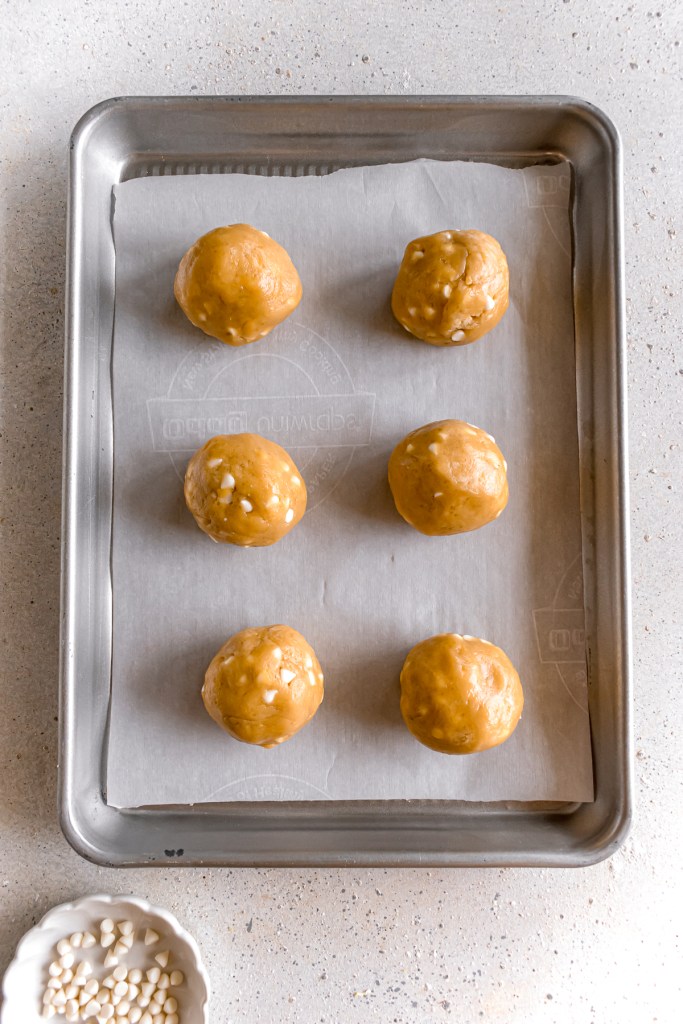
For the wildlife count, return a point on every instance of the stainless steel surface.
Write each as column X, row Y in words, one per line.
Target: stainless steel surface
column 129, row 137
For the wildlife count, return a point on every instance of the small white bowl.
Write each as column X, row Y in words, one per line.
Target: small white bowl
column 26, row 977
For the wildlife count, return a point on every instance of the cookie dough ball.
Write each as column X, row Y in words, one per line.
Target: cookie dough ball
column 459, row 694
column 452, row 287
column 448, row 477
column 263, row 685
column 243, row 489
column 236, row 284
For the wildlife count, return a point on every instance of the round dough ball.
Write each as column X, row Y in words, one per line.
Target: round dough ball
column 452, row 287
column 459, row 694
column 448, row 477
column 263, row 685
column 243, row 489
column 236, row 284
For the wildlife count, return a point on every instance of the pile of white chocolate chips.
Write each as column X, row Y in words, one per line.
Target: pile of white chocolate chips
column 136, row 995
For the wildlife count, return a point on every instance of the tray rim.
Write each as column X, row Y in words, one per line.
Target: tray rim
column 375, row 853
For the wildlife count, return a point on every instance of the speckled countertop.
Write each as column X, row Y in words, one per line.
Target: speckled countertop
column 597, row 945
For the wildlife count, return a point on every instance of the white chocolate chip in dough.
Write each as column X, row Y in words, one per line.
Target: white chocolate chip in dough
column 286, row 675
column 417, row 255
column 447, row 291
column 269, row 696
column 489, row 302
column 274, row 500
column 410, row 448
column 433, row 448
column 228, row 482
column 246, row 505
column 412, row 311
column 277, row 653
column 289, row 515
column 458, row 336
column 438, row 494
column 311, row 678
column 212, row 463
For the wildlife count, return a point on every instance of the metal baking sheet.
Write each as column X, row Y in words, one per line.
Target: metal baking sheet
column 131, row 138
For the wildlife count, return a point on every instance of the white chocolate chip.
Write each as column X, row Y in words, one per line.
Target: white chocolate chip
column 162, row 959
column 144, row 1001
column 412, row 311
column 63, row 947
column 107, row 925
column 172, row 1018
column 126, row 928
column 107, row 1012
column 429, row 311
column 212, row 463
column 447, row 291
column 286, row 467
column 121, row 989
column 89, row 940
column 54, row 983
column 48, row 996
column 154, row 1008
column 92, row 1008
column 133, row 990
column 228, row 482
column 84, row 967
column 147, row 988
column 171, row 1005
column 246, row 505
column 127, row 940
column 123, row 1008
column 417, row 255
column 458, row 336
column 438, row 494
column 121, row 947
column 107, row 939
column 296, row 481
column 311, row 678
column 177, row 978
column 146, row 1018
column 289, row 515
column 151, row 937
column 54, row 970
column 120, row 974
column 111, row 960
column 286, row 675
column 490, row 303
column 134, row 1014
column 268, row 698
column 135, row 976
column 274, row 500
column 71, row 992
column 103, row 996
column 410, row 447
column 67, row 960
column 91, row 987
column 59, row 999
column 71, row 1009
column 153, row 974
column 83, row 998
column 434, row 447
column 49, row 1010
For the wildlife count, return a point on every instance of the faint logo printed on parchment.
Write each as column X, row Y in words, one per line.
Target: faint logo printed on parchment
column 268, row 787
column 561, row 631
column 301, row 396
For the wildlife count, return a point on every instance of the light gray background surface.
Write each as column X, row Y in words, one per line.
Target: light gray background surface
column 598, row 945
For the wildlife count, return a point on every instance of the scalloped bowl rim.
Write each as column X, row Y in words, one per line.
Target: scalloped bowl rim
column 150, row 909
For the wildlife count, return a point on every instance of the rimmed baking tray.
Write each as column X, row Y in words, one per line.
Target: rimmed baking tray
column 132, row 137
